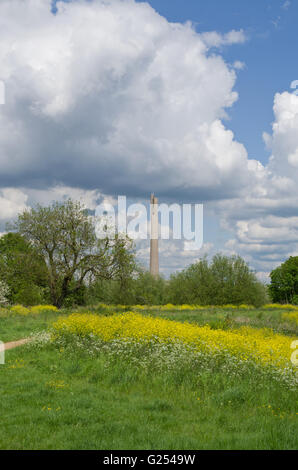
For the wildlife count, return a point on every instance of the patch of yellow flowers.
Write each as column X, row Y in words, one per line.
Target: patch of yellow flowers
column 57, row 384
column 17, row 364
column 281, row 306
column 201, row 307
column 293, row 316
column 246, row 343
column 169, row 307
column 37, row 309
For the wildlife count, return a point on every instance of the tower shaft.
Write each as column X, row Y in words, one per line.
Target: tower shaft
column 154, row 264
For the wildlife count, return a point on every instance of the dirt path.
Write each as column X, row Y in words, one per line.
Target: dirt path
column 15, row 344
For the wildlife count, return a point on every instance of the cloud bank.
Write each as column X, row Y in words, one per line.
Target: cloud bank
column 107, row 97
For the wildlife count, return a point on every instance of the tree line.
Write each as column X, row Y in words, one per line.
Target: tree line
column 52, row 255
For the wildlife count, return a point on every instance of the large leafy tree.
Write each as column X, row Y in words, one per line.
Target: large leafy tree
column 22, row 269
column 64, row 235
column 284, row 282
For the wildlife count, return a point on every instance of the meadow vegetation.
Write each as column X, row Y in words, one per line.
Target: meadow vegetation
column 119, row 359
column 99, row 378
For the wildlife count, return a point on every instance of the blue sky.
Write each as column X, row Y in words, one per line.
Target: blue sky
column 269, row 55
column 123, row 97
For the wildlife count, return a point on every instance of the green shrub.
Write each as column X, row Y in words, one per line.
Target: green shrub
column 226, row 280
column 284, row 282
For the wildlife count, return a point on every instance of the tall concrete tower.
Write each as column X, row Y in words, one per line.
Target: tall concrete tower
column 154, row 268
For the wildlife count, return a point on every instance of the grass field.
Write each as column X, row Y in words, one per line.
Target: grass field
column 63, row 398
column 13, row 327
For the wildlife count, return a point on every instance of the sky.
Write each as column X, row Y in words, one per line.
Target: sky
column 189, row 99
column 268, row 55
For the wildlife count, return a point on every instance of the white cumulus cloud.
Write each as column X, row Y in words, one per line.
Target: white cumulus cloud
column 109, row 95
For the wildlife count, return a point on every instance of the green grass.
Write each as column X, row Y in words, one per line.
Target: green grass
column 217, row 317
column 231, row 318
column 14, row 327
column 118, row 406
column 104, row 405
